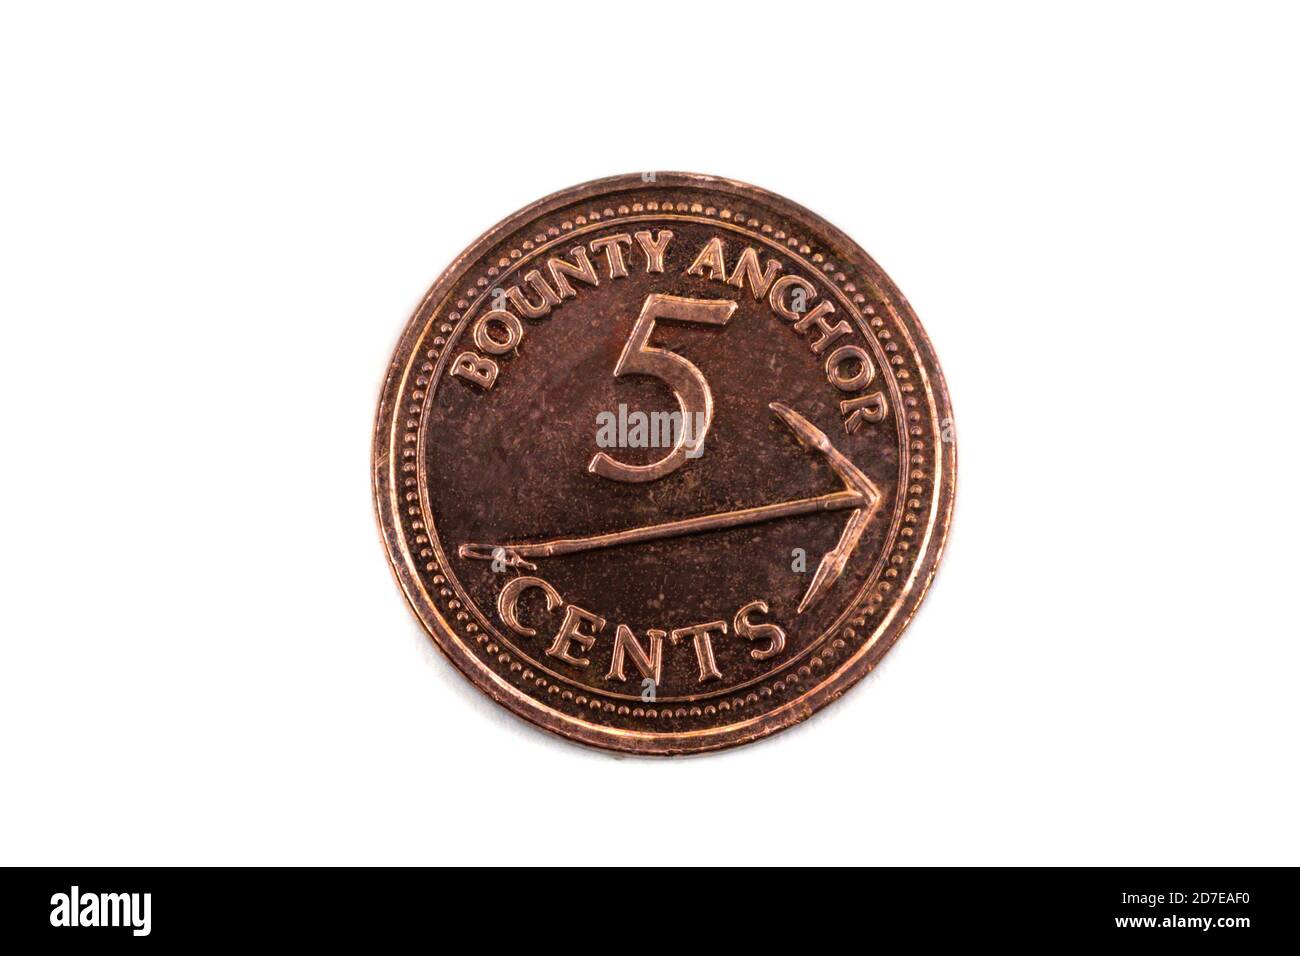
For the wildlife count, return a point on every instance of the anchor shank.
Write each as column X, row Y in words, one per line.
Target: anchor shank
column 835, row 501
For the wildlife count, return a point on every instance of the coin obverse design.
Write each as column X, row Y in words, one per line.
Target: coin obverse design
column 664, row 463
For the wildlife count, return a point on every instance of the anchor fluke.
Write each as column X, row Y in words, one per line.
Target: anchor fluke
column 833, row 562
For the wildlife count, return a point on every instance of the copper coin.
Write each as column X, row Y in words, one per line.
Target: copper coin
column 664, row 463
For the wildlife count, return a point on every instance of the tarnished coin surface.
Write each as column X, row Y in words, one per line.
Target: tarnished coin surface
column 664, row 463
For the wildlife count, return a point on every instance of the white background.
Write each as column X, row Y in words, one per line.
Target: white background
column 216, row 220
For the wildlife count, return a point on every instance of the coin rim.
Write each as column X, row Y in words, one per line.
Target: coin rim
column 632, row 741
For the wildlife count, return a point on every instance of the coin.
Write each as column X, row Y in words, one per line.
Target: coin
column 664, row 463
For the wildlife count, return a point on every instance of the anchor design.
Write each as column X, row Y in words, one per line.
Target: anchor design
column 859, row 494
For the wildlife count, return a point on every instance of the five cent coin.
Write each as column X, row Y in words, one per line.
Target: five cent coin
column 664, row 463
